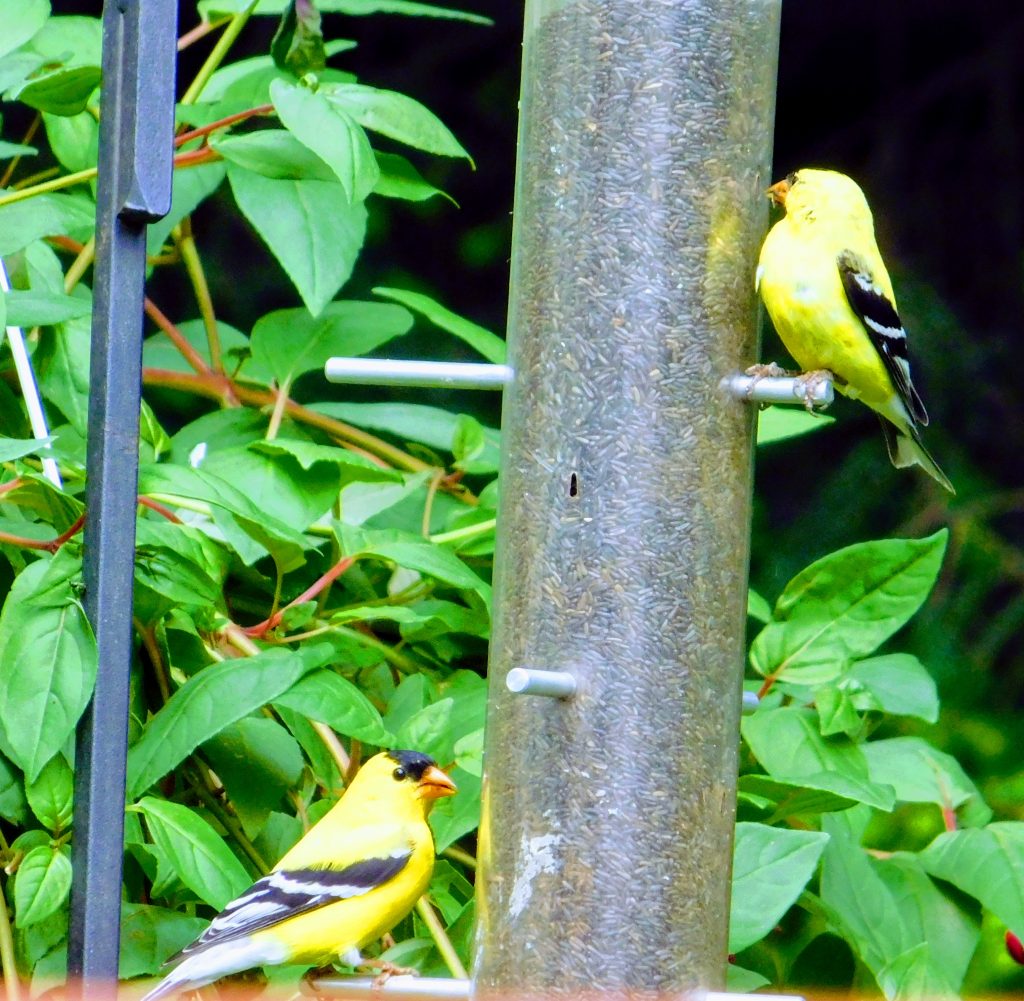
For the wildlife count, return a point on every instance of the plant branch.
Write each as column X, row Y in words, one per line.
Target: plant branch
column 194, row 266
column 12, row 987
column 441, row 939
column 201, row 30
column 81, row 264
column 217, row 54
column 222, row 123
column 312, row 591
column 25, row 140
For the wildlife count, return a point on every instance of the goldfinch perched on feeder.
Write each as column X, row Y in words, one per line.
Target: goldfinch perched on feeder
column 827, row 291
column 352, row 878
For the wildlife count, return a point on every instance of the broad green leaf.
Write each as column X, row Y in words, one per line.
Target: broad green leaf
column 896, row 683
column 298, row 43
column 203, row 862
column 415, row 554
column 986, row 863
column 416, row 422
column 757, row 607
column 396, row 116
column 469, row 752
column 273, row 153
column 21, row 223
column 912, row 976
column 41, row 885
column 781, row 423
column 258, row 762
column 13, row 805
column 429, row 730
column 950, row 934
column 9, row 150
column 843, row 606
column 47, row 664
column 327, row 697
column 400, row 179
column 311, row 227
column 362, row 502
column 455, row 816
column 792, row 798
column 836, row 711
column 468, row 442
column 190, row 188
column 331, row 133
column 741, row 981
column 39, row 309
column 208, row 702
column 150, row 935
column 175, row 567
column 859, row 903
column 21, row 19
column 771, row 866
column 15, row 448
column 921, row 774
column 63, row 370
column 74, row 139
column 353, row 468
column 63, row 91
column 290, row 342
column 480, row 339
column 788, row 745
column 51, row 795
column 159, row 352
column 277, row 537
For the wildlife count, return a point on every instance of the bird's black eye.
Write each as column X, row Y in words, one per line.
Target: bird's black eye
column 398, row 774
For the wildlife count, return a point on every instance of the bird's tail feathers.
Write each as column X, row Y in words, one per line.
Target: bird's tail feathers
column 212, row 963
column 906, row 449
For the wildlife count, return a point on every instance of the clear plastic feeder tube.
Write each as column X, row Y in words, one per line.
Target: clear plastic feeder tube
column 644, row 154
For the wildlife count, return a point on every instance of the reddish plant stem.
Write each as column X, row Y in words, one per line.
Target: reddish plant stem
column 262, row 628
column 222, row 123
column 160, row 509
column 189, row 353
column 200, row 31
column 196, row 157
column 11, row 485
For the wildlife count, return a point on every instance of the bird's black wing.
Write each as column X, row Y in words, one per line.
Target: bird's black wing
column 286, row 893
column 884, row 327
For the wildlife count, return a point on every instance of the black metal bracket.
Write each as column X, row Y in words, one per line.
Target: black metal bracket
column 134, row 187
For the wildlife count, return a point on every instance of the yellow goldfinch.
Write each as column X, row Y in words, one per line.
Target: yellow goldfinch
column 353, row 877
column 827, row 291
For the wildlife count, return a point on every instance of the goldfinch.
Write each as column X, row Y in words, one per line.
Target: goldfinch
column 826, row 290
column 353, row 877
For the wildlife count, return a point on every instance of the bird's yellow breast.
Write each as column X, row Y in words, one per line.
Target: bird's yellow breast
column 803, row 293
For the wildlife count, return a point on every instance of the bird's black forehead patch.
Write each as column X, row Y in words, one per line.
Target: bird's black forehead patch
column 413, row 762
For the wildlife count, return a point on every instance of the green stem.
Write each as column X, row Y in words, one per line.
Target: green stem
column 390, row 654
column 80, row 265
column 277, row 414
column 7, row 964
column 217, row 54
column 441, row 939
column 58, row 183
column 458, row 855
column 480, row 528
column 194, row 267
column 230, row 823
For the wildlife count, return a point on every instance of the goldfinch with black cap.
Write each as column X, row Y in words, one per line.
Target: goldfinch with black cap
column 352, row 878
column 826, row 290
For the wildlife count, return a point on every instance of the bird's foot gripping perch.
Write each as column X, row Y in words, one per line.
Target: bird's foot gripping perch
column 769, row 371
column 810, row 382
column 386, row 970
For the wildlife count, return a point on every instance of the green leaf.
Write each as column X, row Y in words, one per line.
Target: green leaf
column 211, row 9
column 843, row 606
column 290, row 342
column 258, row 762
column 21, row 223
column 273, row 153
column 400, row 179
column 948, row 933
column 429, row 731
column 986, row 863
column 199, row 857
column 396, row 116
column 175, row 567
column 47, row 663
column 150, row 935
column 42, row 884
column 896, row 683
column 331, row 133
column 16, row 448
column 921, row 774
column 311, row 227
column 771, row 866
column 781, row 423
column 51, row 795
column 911, row 976
column 836, row 711
column 757, row 607
column 455, row 816
column 74, row 139
column 791, row 798
column 328, row 698
column 64, row 372
column 352, row 468
column 39, row 309
column 21, row 20
column 9, row 150
column 13, row 805
column 190, row 188
column 208, row 702
column 63, row 91
column 789, row 747
column 480, row 339
column 741, row 981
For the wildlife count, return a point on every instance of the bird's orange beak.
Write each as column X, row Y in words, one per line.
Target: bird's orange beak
column 434, row 784
column 777, row 193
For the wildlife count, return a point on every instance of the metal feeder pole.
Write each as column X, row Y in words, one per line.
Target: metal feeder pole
column 134, row 188
column 644, row 152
